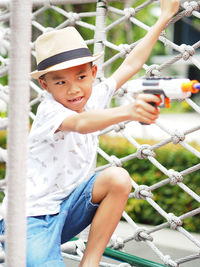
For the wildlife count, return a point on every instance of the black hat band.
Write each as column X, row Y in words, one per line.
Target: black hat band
column 62, row 57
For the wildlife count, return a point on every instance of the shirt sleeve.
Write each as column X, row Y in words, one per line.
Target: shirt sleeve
column 102, row 94
column 50, row 115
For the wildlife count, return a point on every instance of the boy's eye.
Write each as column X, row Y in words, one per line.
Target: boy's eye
column 81, row 77
column 60, row 82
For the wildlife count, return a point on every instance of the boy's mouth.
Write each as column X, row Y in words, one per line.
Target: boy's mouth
column 76, row 100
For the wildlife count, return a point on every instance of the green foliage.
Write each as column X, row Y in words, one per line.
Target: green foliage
column 177, row 107
column 172, row 199
column 4, row 80
column 3, row 114
column 2, row 165
column 3, row 139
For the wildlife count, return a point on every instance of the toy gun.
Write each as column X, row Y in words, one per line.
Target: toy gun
column 167, row 88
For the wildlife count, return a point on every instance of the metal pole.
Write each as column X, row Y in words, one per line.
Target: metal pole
column 18, row 123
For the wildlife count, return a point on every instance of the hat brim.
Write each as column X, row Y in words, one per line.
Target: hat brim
column 65, row 65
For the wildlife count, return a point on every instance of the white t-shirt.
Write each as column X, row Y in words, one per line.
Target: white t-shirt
column 59, row 162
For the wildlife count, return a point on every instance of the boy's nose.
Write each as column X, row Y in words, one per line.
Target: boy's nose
column 73, row 90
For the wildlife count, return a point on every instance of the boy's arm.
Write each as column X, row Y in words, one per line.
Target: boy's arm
column 138, row 56
column 95, row 120
column 140, row 110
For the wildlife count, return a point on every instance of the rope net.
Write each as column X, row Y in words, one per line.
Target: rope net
column 107, row 17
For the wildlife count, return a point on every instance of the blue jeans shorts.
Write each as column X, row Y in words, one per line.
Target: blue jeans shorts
column 46, row 233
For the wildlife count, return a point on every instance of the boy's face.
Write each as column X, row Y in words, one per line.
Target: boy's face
column 71, row 87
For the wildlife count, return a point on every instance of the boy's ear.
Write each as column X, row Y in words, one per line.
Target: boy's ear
column 43, row 83
column 94, row 71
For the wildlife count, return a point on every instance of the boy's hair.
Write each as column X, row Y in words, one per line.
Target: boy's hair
column 42, row 77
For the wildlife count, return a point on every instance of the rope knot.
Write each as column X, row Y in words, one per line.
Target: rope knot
column 175, row 177
column 2, row 33
column 168, row 261
column 124, row 49
column 48, row 29
column 3, row 157
column 115, row 161
column 5, row 35
column 5, row 91
column 47, row 3
column 187, row 51
column 74, row 247
column 142, row 192
column 145, row 151
column 129, row 12
column 195, row 5
column 118, row 127
column 153, row 70
column 4, row 62
column 80, row 247
column 177, row 137
column 41, row 96
column 142, row 235
column 122, row 91
column 116, row 242
column 73, row 17
column 190, row 7
column 174, row 221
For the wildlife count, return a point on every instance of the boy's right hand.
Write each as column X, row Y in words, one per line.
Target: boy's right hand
column 141, row 110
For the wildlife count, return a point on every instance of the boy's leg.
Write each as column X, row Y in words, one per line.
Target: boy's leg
column 111, row 189
column 79, row 210
column 46, row 233
column 43, row 241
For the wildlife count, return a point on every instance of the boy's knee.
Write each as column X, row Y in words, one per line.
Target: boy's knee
column 119, row 180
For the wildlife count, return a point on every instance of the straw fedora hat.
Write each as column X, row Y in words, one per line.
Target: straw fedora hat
column 61, row 49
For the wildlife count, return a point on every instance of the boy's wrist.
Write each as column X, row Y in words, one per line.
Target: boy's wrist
column 126, row 112
column 164, row 19
column 123, row 113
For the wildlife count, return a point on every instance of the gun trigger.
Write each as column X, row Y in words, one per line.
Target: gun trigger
column 167, row 102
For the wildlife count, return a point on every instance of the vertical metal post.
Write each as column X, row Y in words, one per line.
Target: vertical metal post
column 18, row 132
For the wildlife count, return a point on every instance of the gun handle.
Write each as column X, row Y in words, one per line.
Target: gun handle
column 167, row 102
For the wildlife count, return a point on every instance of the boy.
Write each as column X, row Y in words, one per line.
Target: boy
column 63, row 193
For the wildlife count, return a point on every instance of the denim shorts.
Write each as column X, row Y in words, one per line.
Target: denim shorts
column 46, row 233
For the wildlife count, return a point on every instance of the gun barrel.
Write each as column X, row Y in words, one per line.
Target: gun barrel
column 197, row 86
column 191, row 86
column 172, row 88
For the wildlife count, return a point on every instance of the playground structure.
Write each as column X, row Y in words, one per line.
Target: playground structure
column 15, row 38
